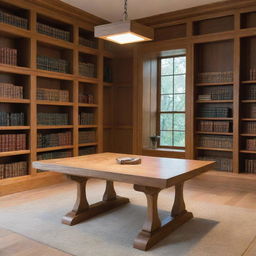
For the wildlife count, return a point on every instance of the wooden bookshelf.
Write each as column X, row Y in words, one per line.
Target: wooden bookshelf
column 31, row 43
column 220, row 89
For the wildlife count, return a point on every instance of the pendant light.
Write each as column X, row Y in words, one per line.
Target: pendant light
column 125, row 31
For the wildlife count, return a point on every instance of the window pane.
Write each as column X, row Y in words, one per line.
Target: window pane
column 179, row 84
column 179, row 139
column 166, row 84
column 180, row 65
column 167, row 103
column 166, row 121
column 166, row 138
column 167, row 66
column 179, row 122
column 179, row 102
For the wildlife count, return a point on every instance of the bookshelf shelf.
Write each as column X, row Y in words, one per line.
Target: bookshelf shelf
column 54, row 103
column 248, row 134
column 248, row 151
column 14, row 153
column 88, row 126
column 15, row 31
column 88, row 50
column 54, row 148
column 215, row 118
column 214, row 101
column 248, row 119
column 54, row 41
column 88, row 144
column 249, row 82
column 215, row 149
column 90, row 80
column 248, row 101
column 15, row 69
column 14, row 127
column 88, row 105
column 214, row 84
column 45, row 127
column 5, row 100
column 216, row 133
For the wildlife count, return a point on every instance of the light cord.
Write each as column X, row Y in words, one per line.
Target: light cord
column 125, row 14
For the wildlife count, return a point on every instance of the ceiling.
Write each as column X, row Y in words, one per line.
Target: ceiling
column 112, row 10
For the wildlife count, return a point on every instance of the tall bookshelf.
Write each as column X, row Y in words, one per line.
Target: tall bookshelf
column 72, row 87
column 225, row 91
column 214, row 102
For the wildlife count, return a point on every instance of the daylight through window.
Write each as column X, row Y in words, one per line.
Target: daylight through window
column 172, row 101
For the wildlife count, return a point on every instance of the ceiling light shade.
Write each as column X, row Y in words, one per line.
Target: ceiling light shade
column 124, row 32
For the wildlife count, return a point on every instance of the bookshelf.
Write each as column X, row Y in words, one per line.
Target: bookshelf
column 56, row 87
column 248, row 97
column 214, row 95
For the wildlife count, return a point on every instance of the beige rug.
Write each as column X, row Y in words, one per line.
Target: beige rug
column 215, row 230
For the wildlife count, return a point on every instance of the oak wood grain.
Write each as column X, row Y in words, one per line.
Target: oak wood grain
column 155, row 172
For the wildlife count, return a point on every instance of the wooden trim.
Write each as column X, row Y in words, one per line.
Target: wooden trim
column 189, row 13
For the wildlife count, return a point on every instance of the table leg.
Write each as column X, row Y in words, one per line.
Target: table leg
column 83, row 211
column 153, row 229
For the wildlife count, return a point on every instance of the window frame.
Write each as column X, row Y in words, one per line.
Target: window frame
column 159, row 112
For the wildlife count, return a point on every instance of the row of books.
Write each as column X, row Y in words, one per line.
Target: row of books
column 52, row 118
column 215, row 77
column 222, row 164
column 52, row 94
column 215, row 141
column 12, row 142
column 87, row 151
column 251, row 144
column 249, row 127
column 86, row 98
column 217, row 93
column 250, row 166
column 53, row 155
column 52, row 64
column 87, row 136
column 13, row 20
column 92, row 43
column 214, row 112
column 87, row 69
column 252, row 74
column 11, row 119
column 214, row 126
column 15, row 169
column 54, row 139
column 52, row 31
column 86, row 118
column 251, row 92
column 11, row 91
column 251, row 111
column 8, row 56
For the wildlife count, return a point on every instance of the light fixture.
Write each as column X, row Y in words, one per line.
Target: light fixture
column 124, row 32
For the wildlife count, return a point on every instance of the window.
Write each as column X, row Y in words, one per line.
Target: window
column 171, row 103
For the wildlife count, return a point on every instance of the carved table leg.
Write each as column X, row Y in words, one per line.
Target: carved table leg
column 110, row 193
column 153, row 229
column 82, row 211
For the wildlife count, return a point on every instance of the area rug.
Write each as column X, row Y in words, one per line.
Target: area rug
column 215, row 230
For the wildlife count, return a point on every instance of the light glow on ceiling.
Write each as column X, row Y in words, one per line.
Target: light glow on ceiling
column 125, row 38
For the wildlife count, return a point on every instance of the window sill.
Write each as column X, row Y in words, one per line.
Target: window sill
column 165, row 150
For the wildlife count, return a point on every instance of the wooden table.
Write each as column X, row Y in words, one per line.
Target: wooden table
column 150, row 177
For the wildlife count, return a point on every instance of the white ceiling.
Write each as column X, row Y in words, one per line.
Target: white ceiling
column 112, row 10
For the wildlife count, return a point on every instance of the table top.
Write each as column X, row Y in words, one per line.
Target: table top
column 153, row 171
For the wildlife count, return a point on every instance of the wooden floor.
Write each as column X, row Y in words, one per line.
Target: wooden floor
column 213, row 187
